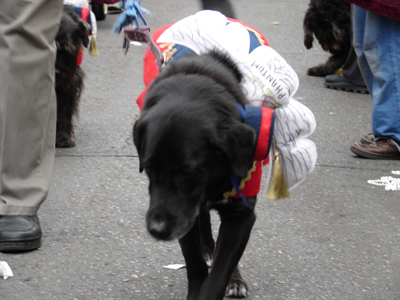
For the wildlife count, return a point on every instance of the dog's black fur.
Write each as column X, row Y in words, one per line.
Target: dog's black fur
column 191, row 140
column 330, row 22
column 223, row 6
column 73, row 33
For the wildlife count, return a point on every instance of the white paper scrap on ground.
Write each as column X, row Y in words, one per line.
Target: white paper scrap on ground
column 390, row 183
column 174, row 266
column 5, row 270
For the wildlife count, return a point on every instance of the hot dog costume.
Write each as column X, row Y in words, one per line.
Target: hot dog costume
column 282, row 124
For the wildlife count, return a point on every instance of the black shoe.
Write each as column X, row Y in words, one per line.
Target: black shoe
column 337, row 82
column 19, row 233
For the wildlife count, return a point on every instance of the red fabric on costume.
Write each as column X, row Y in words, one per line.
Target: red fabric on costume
column 150, row 68
column 84, row 15
column 252, row 187
column 262, row 148
column 259, row 35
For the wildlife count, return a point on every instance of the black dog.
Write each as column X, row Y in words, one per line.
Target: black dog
column 191, row 141
column 330, row 22
column 73, row 33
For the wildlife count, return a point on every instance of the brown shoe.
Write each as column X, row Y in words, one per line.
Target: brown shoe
column 367, row 139
column 381, row 149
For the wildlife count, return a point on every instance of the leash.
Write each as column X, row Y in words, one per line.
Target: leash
column 129, row 22
column 235, row 183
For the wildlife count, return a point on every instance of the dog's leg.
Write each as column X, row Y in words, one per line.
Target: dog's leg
column 64, row 121
column 237, row 220
column 223, row 6
column 196, row 267
column 237, row 287
column 206, row 237
column 68, row 97
column 334, row 63
column 308, row 30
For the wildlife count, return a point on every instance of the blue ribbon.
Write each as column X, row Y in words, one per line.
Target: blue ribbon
column 235, row 183
column 133, row 10
column 242, row 111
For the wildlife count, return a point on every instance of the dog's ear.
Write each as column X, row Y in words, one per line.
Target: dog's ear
column 308, row 32
column 337, row 33
column 68, row 45
column 308, row 39
column 83, row 33
column 237, row 144
column 138, row 131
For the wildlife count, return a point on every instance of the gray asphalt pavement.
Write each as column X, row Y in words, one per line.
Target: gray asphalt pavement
column 337, row 237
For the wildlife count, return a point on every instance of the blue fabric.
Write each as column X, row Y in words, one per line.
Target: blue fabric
column 242, row 111
column 254, row 42
column 133, row 11
column 235, row 179
column 179, row 51
column 253, row 119
column 377, row 44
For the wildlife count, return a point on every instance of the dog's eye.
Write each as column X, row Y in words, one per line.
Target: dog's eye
column 148, row 170
column 187, row 183
column 187, row 173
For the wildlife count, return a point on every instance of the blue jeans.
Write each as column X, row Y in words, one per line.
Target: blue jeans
column 377, row 44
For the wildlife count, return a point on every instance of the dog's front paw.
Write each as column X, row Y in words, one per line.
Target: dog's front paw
column 319, row 71
column 208, row 259
column 65, row 142
column 237, row 288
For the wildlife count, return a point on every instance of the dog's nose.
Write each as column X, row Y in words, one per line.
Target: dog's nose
column 159, row 229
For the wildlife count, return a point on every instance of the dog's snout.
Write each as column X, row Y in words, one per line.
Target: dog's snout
column 159, row 229
column 160, row 226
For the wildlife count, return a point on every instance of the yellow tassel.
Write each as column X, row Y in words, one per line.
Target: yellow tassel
column 339, row 72
column 93, row 46
column 277, row 187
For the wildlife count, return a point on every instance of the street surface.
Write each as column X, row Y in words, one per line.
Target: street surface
column 337, row 237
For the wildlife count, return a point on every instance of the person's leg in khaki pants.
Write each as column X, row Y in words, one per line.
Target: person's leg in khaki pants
column 27, row 116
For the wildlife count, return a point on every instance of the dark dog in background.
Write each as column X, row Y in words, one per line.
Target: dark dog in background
column 72, row 35
column 330, row 22
column 223, row 6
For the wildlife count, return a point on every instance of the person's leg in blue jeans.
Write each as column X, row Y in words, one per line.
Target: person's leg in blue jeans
column 377, row 45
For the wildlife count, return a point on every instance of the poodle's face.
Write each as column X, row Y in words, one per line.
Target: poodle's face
column 329, row 23
column 72, row 34
column 331, row 37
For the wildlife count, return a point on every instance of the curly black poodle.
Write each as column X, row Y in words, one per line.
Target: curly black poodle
column 330, row 22
column 72, row 35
